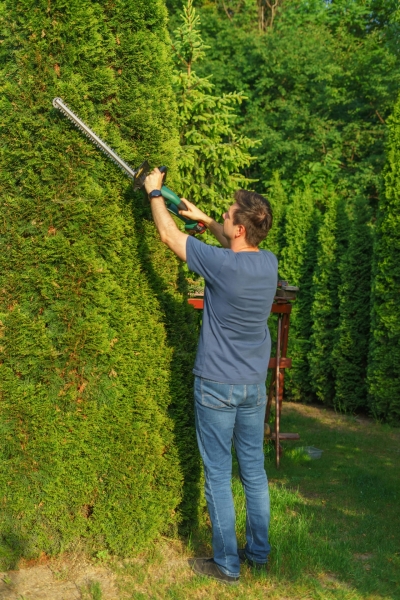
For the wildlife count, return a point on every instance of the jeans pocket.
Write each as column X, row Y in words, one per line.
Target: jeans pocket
column 214, row 394
column 262, row 395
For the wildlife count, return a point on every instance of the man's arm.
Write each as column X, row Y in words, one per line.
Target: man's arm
column 169, row 232
column 173, row 237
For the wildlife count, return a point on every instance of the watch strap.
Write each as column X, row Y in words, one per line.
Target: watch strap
column 155, row 194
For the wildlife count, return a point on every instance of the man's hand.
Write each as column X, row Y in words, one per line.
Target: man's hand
column 153, row 181
column 197, row 215
column 194, row 213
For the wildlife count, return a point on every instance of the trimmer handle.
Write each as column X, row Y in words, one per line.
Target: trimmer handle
column 191, row 227
column 175, row 204
column 164, row 171
column 169, row 194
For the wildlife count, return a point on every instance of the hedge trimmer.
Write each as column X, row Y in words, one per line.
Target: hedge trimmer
column 172, row 201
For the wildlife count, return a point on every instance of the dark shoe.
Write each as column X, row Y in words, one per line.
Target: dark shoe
column 207, row 566
column 254, row 565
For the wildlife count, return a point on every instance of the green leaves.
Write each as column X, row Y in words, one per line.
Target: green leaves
column 350, row 353
column 188, row 46
column 321, row 81
column 332, row 237
column 383, row 373
column 97, row 339
column 212, row 154
column 318, row 88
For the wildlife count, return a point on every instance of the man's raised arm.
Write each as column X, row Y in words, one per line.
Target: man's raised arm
column 170, row 234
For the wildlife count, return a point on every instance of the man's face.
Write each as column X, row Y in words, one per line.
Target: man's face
column 229, row 227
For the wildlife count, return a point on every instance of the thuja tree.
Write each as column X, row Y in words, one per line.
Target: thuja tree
column 96, row 335
column 278, row 198
column 212, row 155
column 325, row 308
column 297, row 266
column 350, row 353
column 384, row 368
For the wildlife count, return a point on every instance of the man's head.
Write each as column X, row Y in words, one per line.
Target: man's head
column 252, row 212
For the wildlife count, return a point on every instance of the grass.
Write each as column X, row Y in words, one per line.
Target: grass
column 91, row 591
column 335, row 524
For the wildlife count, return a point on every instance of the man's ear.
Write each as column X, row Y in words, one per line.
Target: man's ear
column 241, row 231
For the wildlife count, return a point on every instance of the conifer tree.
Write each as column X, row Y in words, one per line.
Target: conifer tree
column 278, row 199
column 325, row 308
column 297, row 266
column 97, row 338
column 384, row 365
column 350, row 354
column 212, row 155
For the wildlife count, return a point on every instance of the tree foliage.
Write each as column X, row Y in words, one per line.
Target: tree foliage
column 320, row 80
column 384, row 368
column 97, row 339
column 297, row 265
column 278, row 198
column 332, row 237
column 350, row 352
column 212, row 154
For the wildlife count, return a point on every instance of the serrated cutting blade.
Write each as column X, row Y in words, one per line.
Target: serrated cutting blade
column 137, row 175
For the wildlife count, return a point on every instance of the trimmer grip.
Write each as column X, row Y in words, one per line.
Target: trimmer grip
column 164, row 171
column 172, row 197
column 191, row 227
column 174, row 205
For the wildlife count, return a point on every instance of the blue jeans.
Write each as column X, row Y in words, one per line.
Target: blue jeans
column 226, row 413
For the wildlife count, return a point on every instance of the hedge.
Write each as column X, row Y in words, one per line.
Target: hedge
column 97, row 339
column 384, row 364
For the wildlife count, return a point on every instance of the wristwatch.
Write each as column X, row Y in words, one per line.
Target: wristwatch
column 155, row 194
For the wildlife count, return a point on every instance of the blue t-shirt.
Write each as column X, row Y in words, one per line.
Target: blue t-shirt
column 235, row 343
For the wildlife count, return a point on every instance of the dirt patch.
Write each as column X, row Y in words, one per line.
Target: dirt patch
column 76, row 577
column 364, row 557
column 58, row 580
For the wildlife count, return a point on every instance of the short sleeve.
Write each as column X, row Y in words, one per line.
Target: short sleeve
column 203, row 259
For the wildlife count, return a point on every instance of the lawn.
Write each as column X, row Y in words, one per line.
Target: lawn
column 335, row 530
column 335, row 523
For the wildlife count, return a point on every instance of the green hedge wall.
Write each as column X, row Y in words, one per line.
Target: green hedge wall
column 97, row 339
column 384, row 365
column 332, row 237
column 350, row 352
column 297, row 266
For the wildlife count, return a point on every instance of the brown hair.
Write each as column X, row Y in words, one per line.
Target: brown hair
column 255, row 214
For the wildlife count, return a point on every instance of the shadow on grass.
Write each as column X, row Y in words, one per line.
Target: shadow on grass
column 345, row 519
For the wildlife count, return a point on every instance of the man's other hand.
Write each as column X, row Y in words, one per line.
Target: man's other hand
column 194, row 213
column 153, row 181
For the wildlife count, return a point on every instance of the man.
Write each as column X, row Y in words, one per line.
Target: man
column 230, row 368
